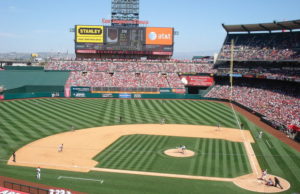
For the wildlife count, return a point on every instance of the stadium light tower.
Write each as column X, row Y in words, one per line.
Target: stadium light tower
column 124, row 10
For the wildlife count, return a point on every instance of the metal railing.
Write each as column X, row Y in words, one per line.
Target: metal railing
column 25, row 188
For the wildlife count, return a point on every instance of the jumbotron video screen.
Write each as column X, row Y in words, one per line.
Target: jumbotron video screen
column 95, row 39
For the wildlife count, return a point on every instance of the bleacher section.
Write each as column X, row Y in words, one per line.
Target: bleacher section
column 127, row 74
column 262, row 47
column 124, row 80
column 131, row 66
column 276, row 101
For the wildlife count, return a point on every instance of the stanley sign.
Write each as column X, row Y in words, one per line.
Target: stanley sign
column 89, row 34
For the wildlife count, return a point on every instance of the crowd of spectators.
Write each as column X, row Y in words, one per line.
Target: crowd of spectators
column 156, row 80
column 273, row 73
column 278, row 104
column 262, row 47
column 131, row 66
column 77, row 66
column 174, row 81
column 124, row 80
column 127, row 73
column 91, row 79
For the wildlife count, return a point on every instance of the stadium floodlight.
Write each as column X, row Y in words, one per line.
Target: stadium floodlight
column 124, row 10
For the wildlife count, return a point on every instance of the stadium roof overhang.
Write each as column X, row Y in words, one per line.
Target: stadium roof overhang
column 274, row 26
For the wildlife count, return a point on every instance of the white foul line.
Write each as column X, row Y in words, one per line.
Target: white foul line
column 236, row 118
column 268, row 144
column 69, row 177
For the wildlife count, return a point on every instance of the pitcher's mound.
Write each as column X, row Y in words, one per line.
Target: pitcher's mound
column 178, row 153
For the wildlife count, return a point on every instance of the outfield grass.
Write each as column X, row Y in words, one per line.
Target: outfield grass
column 23, row 121
column 213, row 157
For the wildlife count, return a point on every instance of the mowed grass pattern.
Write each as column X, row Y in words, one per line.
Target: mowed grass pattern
column 213, row 157
column 23, row 121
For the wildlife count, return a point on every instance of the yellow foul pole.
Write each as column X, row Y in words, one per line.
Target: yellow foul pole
column 231, row 68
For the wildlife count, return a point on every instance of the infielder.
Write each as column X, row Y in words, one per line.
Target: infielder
column 277, row 182
column 60, row 147
column 38, row 173
column 14, row 157
column 162, row 121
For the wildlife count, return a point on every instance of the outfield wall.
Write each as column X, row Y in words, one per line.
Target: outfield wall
column 10, row 96
column 130, row 96
column 35, row 89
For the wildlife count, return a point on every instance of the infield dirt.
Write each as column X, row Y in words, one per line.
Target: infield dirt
column 81, row 146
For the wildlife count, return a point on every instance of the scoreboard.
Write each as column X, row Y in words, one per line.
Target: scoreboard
column 111, row 39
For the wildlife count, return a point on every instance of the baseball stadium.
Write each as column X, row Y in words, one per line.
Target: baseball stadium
column 125, row 117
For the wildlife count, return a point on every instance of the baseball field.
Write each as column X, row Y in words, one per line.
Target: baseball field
column 118, row 146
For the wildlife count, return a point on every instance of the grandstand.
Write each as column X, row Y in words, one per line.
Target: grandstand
column 272, row 99
column 272, row 57
column 263, row 54
column 266, row 79
column 268, row 50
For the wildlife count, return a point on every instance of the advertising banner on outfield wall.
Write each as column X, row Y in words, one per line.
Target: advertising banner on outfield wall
column 160, row 36
column 165, row 90
column 178, row 90
column 89, row 34
column 197, row 80
column 80, row 89
column 124, row 95
column 107, row 95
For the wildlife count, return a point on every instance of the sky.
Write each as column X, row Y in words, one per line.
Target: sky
column 44, row 25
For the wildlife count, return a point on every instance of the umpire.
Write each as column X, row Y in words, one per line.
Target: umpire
column 277, row 182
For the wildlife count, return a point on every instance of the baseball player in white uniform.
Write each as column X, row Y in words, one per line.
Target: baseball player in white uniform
column 260, row 134
column 38, row 173
column 183, row 148
column 60, row 147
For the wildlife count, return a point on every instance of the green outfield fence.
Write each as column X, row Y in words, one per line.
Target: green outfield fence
column 10, row 96
column 35, row 89
column 35, row 68
column 136, row 96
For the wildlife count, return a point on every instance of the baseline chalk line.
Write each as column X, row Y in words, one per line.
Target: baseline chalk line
column 268, row 144
column 77, row 178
